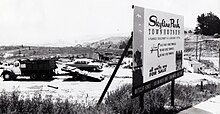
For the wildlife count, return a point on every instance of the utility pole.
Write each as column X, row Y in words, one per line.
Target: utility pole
column 218, row 60
column 196, row 46
column 200, row 51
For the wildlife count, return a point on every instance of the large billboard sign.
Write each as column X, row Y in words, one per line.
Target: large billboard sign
column 158, row 46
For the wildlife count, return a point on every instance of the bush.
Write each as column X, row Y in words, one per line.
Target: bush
column 11, row 104
column 120, row 100
column 156, row 101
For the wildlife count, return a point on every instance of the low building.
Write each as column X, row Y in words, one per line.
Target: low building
column 93, row 56
column 194, row 66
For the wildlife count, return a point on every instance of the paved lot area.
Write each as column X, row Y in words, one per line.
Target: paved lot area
column 211, row 106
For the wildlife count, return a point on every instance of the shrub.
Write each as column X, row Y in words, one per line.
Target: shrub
column 121, row 102
column 118, row 101
column 156, row 101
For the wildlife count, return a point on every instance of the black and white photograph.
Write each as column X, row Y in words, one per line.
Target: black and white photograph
column 109, row 57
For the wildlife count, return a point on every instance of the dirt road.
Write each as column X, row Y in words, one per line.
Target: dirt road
column 64, row 87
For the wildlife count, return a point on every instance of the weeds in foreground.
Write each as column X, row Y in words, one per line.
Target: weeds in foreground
column 117, row 101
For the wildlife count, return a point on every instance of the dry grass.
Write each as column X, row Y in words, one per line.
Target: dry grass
column 117, row 101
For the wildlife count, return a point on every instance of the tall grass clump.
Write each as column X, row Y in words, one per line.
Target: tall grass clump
column 11, row 104
column 158, row 101
column 119, row 101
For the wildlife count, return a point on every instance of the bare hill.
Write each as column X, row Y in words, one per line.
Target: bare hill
column 113, row 42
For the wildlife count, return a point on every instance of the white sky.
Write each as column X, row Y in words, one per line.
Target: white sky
column 67, row 22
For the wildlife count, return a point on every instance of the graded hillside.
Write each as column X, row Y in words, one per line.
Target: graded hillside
column 8, row 53
column 207, row 46
column 113, row 42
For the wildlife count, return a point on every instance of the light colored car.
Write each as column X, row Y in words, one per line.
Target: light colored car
column 86, row 64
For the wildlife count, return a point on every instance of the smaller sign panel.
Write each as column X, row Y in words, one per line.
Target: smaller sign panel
column 158, row 46
column 142, row 88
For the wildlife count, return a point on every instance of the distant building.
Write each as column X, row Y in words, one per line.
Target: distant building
column 7, row 55
column 93, row 56
column 194, row 66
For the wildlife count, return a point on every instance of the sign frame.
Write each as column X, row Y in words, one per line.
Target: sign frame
column 140, row 84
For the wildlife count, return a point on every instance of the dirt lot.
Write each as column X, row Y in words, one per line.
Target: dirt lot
column 64, row 87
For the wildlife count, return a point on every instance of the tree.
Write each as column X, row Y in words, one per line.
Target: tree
column 190, row 31
column 19, row 52
column 197, row 30
column 208, row 24
column 122, row 45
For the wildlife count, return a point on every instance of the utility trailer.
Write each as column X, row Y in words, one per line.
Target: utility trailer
column 38, row 69
column 80, row 75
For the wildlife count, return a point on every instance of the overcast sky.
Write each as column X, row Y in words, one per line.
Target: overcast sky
column 68, row 22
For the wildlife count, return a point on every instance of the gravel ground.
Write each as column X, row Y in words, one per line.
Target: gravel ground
column 63, row 87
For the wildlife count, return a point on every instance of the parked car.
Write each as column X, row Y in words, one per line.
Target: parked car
column 86, row 64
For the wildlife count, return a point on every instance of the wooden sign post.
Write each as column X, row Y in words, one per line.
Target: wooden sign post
column 116, row 69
